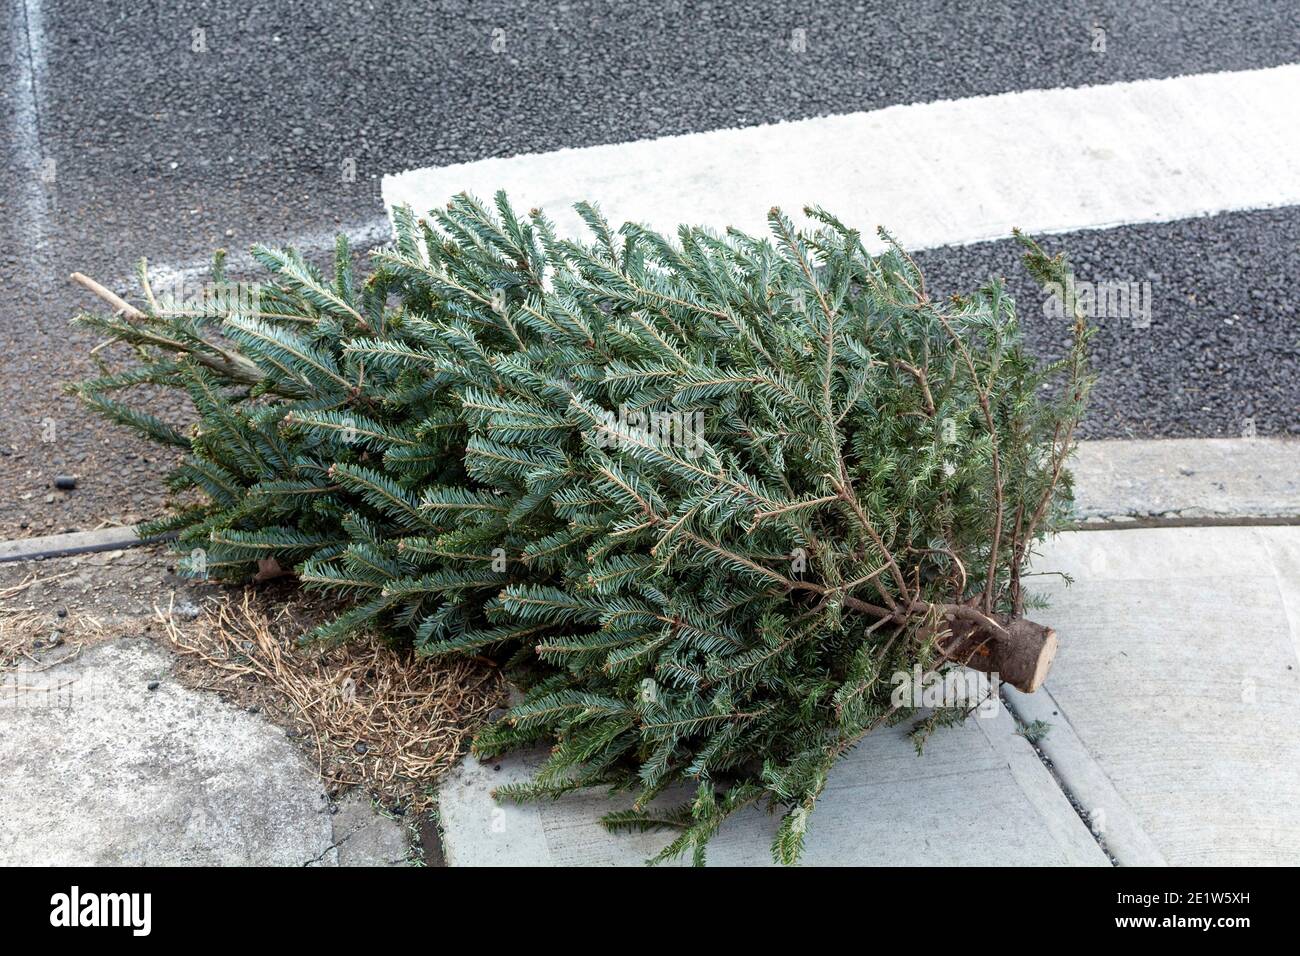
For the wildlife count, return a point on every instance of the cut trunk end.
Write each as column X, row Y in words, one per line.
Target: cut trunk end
column 1021, row 657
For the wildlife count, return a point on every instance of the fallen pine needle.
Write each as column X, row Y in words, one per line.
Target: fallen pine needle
column 380, row 716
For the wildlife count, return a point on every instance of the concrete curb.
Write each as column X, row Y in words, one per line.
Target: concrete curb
column 1135, row 523
column 1177, row 687
column 1192, row 480
column 1057, row 810
column 76, row 542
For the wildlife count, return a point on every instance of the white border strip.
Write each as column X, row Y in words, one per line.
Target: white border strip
column 944, row 173
column 24, row 23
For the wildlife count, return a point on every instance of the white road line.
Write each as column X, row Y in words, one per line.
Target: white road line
column 944, row 173
column 373, row 233
column 24, row 23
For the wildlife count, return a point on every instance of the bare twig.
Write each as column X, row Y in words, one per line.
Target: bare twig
column 231, row 364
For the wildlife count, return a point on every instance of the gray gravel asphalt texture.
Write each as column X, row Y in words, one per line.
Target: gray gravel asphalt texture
column 122, row 140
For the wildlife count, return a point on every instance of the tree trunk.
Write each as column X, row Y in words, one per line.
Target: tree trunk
column 1020, row 653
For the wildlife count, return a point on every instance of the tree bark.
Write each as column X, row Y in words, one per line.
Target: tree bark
column 1019, row 651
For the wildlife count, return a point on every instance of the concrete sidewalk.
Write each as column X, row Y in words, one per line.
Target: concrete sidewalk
column 110, row 762
column 1174, row 707
column 109, row 758
column 1178, row 673
column 981, row 797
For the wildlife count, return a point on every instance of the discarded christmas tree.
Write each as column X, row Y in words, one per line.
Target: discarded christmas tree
column 703, row 498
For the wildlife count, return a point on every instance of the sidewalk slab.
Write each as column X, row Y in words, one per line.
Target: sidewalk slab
column 978, row 797
column 1187, row 478
column 1179, row 676
column 99, row 770
column 1102, row 807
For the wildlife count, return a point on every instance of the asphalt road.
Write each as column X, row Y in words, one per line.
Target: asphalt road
column 165, row 130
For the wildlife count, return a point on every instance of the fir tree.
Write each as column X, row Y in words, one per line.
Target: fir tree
column 703, row 497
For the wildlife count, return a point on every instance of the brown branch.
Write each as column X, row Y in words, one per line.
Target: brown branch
column 921, row 380
column 785, row 509
column 120, row 305
column 1060, row 451
column 982, row 392
column 847, row 495
column 230, row 364
column 1017, row 540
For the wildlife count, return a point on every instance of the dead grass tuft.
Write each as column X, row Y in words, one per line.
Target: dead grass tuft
column 25, row 632
column 376, row 716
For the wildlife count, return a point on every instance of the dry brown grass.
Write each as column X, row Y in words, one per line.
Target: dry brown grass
column 375, row 716
column 23, row 631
